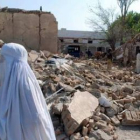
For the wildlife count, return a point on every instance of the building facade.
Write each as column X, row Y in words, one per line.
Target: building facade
column 94, row 41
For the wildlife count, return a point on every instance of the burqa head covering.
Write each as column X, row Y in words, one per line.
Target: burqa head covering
column 23, row 111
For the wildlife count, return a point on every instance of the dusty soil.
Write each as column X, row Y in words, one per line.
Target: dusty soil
column 128, row 132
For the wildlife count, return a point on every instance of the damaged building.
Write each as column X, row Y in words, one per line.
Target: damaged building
column 128, row 51
column 82, row 40
column 36, row 30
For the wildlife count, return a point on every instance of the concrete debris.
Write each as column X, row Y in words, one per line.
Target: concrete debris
column 84, row 131
column 115, row 121
column 104, row 102
column 105, row 118
column 86, row 101
column 100, row 135
column 61, row 137
column 73, row 112
column 57, row 108
column 33, row 56
column 101, row 124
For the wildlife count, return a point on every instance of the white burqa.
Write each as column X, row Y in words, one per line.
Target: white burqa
column 138, row 63
column 23, row 111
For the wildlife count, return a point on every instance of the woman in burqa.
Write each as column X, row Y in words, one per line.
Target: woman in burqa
column 23, row 111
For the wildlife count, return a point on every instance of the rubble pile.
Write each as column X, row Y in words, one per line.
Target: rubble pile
column 86, row 101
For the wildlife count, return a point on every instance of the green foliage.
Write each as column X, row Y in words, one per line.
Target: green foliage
column 131, row 25
column 133, row 22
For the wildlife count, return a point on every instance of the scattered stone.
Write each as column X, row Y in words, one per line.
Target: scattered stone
column 58, row 132
column 61, row 137
column 52, row 88
column 57, row 108
column 102, row 109
column 75, row 136
column 92, row 138
column 91, row 123
column 115, row 121
column 105, row 118
column 110, row 112
column 101, row 124
column 100, row 135
column 108, row 129
column 66, row 87
column 126, row 90
column 88, row 84
column 127, row 105
column 96, row 93
column 119, row 117
column 86, row 138
column 33, row 55
column 95, row 85
column 96, row 118
column 84, row 131
column 85, row 122
column 114, row 96
column 115, row 137
column 82, row 138
column 104, row 101
column 137, row 82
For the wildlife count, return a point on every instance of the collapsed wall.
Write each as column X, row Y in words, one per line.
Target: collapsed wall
column 35, row 30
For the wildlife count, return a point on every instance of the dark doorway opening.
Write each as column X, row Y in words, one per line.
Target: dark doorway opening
column 90, row 41
column 137, row 49
column 75, row 40
column 74, row 50
column 62, row 40
column 100, row 49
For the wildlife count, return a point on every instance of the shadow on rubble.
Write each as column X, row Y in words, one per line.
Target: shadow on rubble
column 129, row 128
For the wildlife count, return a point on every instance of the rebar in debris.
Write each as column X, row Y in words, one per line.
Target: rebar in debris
column 53, row 96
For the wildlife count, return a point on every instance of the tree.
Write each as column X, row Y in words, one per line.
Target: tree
column 103, row 21
column 124, row 7
column 132, row 24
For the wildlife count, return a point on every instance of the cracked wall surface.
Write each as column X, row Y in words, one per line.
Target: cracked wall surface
column 37, row 31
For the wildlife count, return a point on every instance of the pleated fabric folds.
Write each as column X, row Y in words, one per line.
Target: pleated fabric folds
column 23, row 111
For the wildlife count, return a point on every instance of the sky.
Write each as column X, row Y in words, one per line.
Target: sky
column 70, row 14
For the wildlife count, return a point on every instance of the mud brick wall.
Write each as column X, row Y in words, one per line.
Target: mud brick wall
column 34, row 30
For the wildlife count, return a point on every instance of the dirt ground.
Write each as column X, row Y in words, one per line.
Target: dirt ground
column 128, row 132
